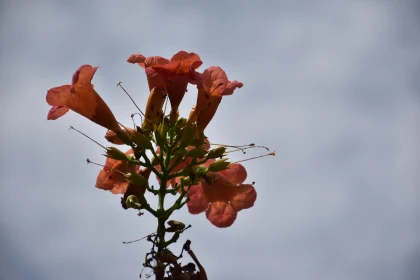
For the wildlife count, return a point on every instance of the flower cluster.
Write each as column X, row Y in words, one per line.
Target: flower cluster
column 174, row 148
column 182, row 158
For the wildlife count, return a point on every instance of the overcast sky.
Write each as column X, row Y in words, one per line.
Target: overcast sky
column 331, row 86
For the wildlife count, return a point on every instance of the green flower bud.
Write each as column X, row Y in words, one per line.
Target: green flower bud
column 219, row 165
column 160, row 134
column 132, row 202
column 216, row 153
column 197, row 153
column 199, row 140
column 142, row 141
column 186, row 181
column 175, row 226
column 125, row 137
column 114, row 153
column 136, row 179
column 188, row 133
column 155, row 160
column 201, row 170
column 167, row 256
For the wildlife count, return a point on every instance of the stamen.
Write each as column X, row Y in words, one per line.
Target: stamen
column 89, row 161
column 242, row 149
column 87, row 137
column 101, row 165
column 270, row 154
column 132, row 117
column 119, row 85
column 128, row 242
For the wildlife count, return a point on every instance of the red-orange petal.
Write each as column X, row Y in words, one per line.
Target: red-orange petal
column 56, row 112
column 214, row 80
column 243, row 197
column 230, row 88
column 198, row 201
column 188, row 60
column 235, row 174
column 137, row 58
column 103, row 182
column 221, row 214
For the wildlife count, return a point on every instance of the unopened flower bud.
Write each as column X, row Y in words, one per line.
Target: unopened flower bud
column 142, row 141
column 188, row 133
column 197, row 153
column 186, row 181
column 216, row 153
column 136, row 179
column 124, row 136
column 114, row 153
column 175, row 226
column 219, row 165
column 112, row 137
column 132, row 202
column 166, row 256
column 155, row 160
column 160, row 134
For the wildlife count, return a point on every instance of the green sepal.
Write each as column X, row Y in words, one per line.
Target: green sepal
column 216, row 153
column 114, row 153
column 219, row 165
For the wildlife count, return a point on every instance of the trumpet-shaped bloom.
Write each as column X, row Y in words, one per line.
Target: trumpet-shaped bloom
column 81, row 97
column 171, row 75
column 111, row 177
column 212, row 86
column 223, row 197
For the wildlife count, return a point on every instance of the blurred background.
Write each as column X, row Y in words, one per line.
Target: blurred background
column 331, row 86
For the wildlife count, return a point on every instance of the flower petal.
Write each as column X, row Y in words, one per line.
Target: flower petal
column 137, row 58
column 213, row 80
column 83, row 99
column 103, row 182
column 230, row 88
column 219, row 189
column 188, row 60
column 198, row 201
column 221, row 214
column 243, row 197
column 236, row 173
column 56, row 112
